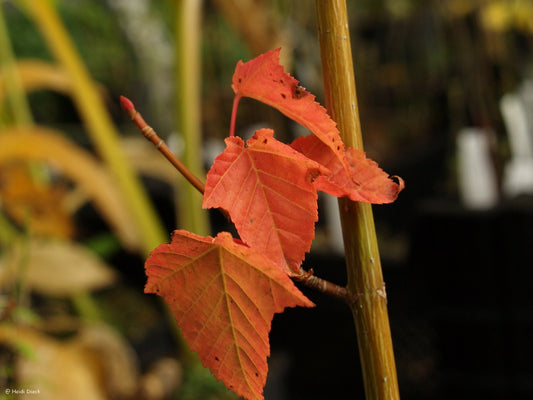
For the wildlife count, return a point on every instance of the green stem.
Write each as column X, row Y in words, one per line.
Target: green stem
column 365, row 278
column 10, row 78
column 188, row 103
column 188, row 74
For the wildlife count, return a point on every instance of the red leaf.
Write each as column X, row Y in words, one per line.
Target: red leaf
column 223, row 296
column 352, row 174
column 264, row 79
column 355, row 176
column 267, row 189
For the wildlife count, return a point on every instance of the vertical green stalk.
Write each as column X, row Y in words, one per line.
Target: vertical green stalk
column 188, row 102
column 98, row 122
column 365, row 278
column 16, row 97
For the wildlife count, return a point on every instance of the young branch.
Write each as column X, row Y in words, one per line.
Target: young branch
column 159, row 143
column 365, row 277
column 307, row 278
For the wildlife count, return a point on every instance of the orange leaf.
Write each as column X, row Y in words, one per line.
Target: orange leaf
column 267, row 189
column 355, row 176
column 351, row 173
column 223, row 296
column 264, row 79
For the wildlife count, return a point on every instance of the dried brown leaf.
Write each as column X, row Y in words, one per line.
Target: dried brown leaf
column 44, row 144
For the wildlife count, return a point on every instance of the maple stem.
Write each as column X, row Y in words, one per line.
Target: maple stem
column 150, row 134
column 365, row 277
column 312, row 281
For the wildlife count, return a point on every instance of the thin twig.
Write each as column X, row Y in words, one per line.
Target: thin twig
column 312, row 281
column 159, row 143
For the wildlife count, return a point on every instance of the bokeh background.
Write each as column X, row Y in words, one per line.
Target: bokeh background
column 446, row 102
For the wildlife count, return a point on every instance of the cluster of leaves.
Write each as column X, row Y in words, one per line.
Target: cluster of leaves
column 224, row 291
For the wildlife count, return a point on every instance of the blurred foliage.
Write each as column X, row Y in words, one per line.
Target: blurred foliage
column 46, row 181
column 96, row 33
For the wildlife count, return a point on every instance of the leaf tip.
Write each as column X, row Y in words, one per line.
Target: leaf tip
column 400, row 185
column 399, row 181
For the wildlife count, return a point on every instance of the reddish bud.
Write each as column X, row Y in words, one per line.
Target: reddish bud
column 126, row 104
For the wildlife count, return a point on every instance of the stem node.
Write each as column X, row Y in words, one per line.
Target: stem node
column 312, row 281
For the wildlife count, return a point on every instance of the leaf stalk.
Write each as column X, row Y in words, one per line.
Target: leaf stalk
column 236, row 101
